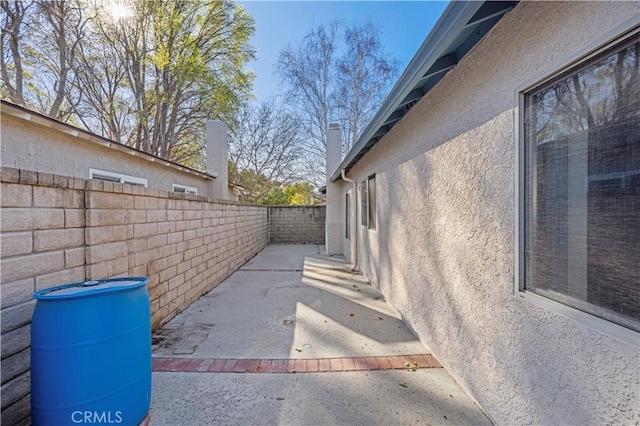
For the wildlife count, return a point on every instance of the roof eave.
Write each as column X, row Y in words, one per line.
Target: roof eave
column 26, row 114
column 453, row 20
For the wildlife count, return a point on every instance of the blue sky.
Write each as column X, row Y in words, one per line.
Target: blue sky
column 404, row 26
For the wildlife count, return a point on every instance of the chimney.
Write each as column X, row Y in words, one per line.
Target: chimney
column 334, row 219
column 217, row 157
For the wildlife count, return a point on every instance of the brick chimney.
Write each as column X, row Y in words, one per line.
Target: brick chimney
column 217, row 157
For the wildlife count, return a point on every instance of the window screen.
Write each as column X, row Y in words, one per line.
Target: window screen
column 582, row 186
column 116, row 177
column 372, row 201
column 364, row 209
column 184, row 189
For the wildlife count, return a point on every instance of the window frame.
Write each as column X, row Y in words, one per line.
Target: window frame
column 121, row 178
column 372, row 212
column 347, row 215
column 187, row 189
column 573, row 61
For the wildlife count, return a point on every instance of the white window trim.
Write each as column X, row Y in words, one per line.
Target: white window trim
column 121, row 177
column 588, row 320
column 187, row 189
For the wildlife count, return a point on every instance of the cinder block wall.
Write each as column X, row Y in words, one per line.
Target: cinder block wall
column 185, row 244
column 42, row 225
column 57, row 230
column 297, row 224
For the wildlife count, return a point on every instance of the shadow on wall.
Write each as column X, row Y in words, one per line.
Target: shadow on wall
column 446, row 227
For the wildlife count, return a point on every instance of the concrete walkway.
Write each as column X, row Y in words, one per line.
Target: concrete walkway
column 317, row 345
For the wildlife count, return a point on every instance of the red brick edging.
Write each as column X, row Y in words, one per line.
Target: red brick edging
column 322, row 365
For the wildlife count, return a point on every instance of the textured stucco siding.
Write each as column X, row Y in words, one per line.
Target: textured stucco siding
column 31, row 146
column 443, row 251
column 297, row 224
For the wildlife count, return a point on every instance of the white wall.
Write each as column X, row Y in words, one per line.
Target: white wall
column 334, row 227
column 217, row 157
column 443, row 253
column 31, row 146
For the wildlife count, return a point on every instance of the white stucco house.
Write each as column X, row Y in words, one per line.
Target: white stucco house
column 33, row 141
column 494, row 199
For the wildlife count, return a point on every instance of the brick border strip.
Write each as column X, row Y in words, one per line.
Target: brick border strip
column 309, row 365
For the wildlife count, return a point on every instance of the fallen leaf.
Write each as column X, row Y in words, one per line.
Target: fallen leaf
column 404, row 385
column 414, row 363
column 405, row 363
column 413, row 370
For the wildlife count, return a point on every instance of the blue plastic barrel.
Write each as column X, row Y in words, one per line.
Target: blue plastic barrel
column 91, row 353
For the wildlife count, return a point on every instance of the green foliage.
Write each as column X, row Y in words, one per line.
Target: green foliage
column 275, row 197
column 149, row 78
column 297, row 194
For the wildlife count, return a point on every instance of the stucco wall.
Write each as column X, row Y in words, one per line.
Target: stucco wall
column 443, row 252
column 30, row 146
column 297, row 224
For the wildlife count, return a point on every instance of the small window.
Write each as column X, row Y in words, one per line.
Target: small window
column 581, row 191
column 347, row 210
column 116, row 177
column 364, row 210
column 185, row 189
column 371, row 186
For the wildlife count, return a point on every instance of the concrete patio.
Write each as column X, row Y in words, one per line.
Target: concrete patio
column 295, row 337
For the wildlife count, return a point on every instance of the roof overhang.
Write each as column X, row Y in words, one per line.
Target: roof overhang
column 462, row 25
column 25, row 114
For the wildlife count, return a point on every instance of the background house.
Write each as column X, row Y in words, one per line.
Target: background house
column 494, row 201
column 33, row 141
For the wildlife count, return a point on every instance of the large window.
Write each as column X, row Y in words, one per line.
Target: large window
column 371, row 189
column 582, row 186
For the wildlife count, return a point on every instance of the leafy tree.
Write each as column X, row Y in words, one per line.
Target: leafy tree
column 275, row 197
column 13, row 31
column 297, row 194
column 149, row 78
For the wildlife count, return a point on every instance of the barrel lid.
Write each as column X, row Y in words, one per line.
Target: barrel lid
column 90, row 288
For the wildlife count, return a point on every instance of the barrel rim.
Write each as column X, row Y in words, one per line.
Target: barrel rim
column 91, row 291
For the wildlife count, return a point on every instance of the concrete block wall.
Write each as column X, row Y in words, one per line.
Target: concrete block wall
column 297, row 224
column 184, row 243
column 57, row 230
column 43, row 240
